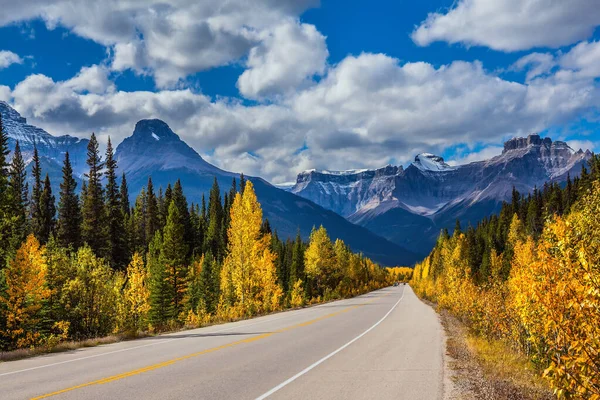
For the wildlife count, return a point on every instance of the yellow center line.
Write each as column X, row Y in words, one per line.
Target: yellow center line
column 199, row 353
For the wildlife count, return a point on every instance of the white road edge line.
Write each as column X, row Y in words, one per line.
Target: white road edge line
column 307, row 369
column 167, row 340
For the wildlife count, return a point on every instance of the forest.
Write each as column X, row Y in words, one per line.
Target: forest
column 88, row 263
column 530, row 277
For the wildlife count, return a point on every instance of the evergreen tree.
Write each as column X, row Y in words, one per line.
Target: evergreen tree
column 69, row 213
column 173, row 257
column 152, row 212
column 297, row 267
column 93, row 227
column 159, row 299
column 124, row 194
column 4, row 199
column 116, row 235
column 214, row 239
column 184, row 216
column 47, row 212
column 36, row 171
column 18, row 196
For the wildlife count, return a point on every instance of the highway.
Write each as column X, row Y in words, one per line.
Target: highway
column 385, row 344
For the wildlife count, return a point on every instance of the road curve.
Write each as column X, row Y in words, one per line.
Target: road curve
column 386, row 344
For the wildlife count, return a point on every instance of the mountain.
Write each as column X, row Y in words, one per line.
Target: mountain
column 410, row 206
column 155, row 150
column 51, row 149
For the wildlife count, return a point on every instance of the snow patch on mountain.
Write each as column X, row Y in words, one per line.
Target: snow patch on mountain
column 431, row 162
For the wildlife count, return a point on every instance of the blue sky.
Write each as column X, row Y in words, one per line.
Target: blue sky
column 277, row 87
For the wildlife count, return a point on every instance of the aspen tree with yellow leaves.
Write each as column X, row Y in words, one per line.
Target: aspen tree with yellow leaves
column 248, row 277
column 137, row 295
column 26, row 291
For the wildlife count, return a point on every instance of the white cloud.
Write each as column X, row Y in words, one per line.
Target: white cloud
column 287, row 58
column 169, row 40
column 511, row 25
column 584, row 58
column 5, row 93
column 536, row 64
column 366, row 111
column 8, row 58
column 582, row 145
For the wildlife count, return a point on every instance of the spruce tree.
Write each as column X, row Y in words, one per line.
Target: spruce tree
column 184, row 215
column 173, row 257
column 160, row 302
column 34, row 205
column 93, row 227
column 47, row 212
column 152, row 212
column 124, row 193
column 4, row 200
column 18, row 197
column 214, row 237
column 297, row 268
column 69, row 212
column 117, row 241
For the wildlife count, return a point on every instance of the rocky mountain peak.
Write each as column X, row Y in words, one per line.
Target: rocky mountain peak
column 153, row 130
column 431, row 162
column 10, row 114
column 530, row 141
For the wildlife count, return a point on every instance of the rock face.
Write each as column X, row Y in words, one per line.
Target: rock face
column 410, row 206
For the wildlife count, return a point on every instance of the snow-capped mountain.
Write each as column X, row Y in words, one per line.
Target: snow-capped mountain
column 409, row 206
column 154, row 150
column 431, row 162
column 50, row 148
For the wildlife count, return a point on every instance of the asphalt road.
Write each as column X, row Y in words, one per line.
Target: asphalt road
column 386, row 344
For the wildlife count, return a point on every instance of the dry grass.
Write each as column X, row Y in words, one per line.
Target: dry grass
column 61, row 347
column 488, row 370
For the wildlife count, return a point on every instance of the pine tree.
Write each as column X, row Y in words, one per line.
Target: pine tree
column 18, row 196
column 184, row 216
column 116, row 237
column 124, row 194
column 214, row 240
column 4, row 199
column 173, row 257
column 152, row 212
column 159, row 299
column 34, row 205
column 93, row 227
column 47, row 212
column 69, row 213
column 297, row 268
column 139, row 241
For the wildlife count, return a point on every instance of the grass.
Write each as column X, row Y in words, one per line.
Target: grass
column 61, row 347
column 502, row 364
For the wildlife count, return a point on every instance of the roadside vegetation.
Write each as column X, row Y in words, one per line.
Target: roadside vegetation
column 98, row 267
column 528, row 281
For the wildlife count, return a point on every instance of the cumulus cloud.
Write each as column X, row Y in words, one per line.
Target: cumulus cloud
column 511, row 25
column 169, row 40
column 536, row 64
column 366, row 111
column 287, row 58
column 8, row 58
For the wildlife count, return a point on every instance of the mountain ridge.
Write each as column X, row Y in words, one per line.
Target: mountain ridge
column 429, row 194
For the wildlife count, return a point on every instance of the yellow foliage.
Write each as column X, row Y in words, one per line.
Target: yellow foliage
column 248, row 277
column 25, row 293
column 297, row 296
column 137, row 294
